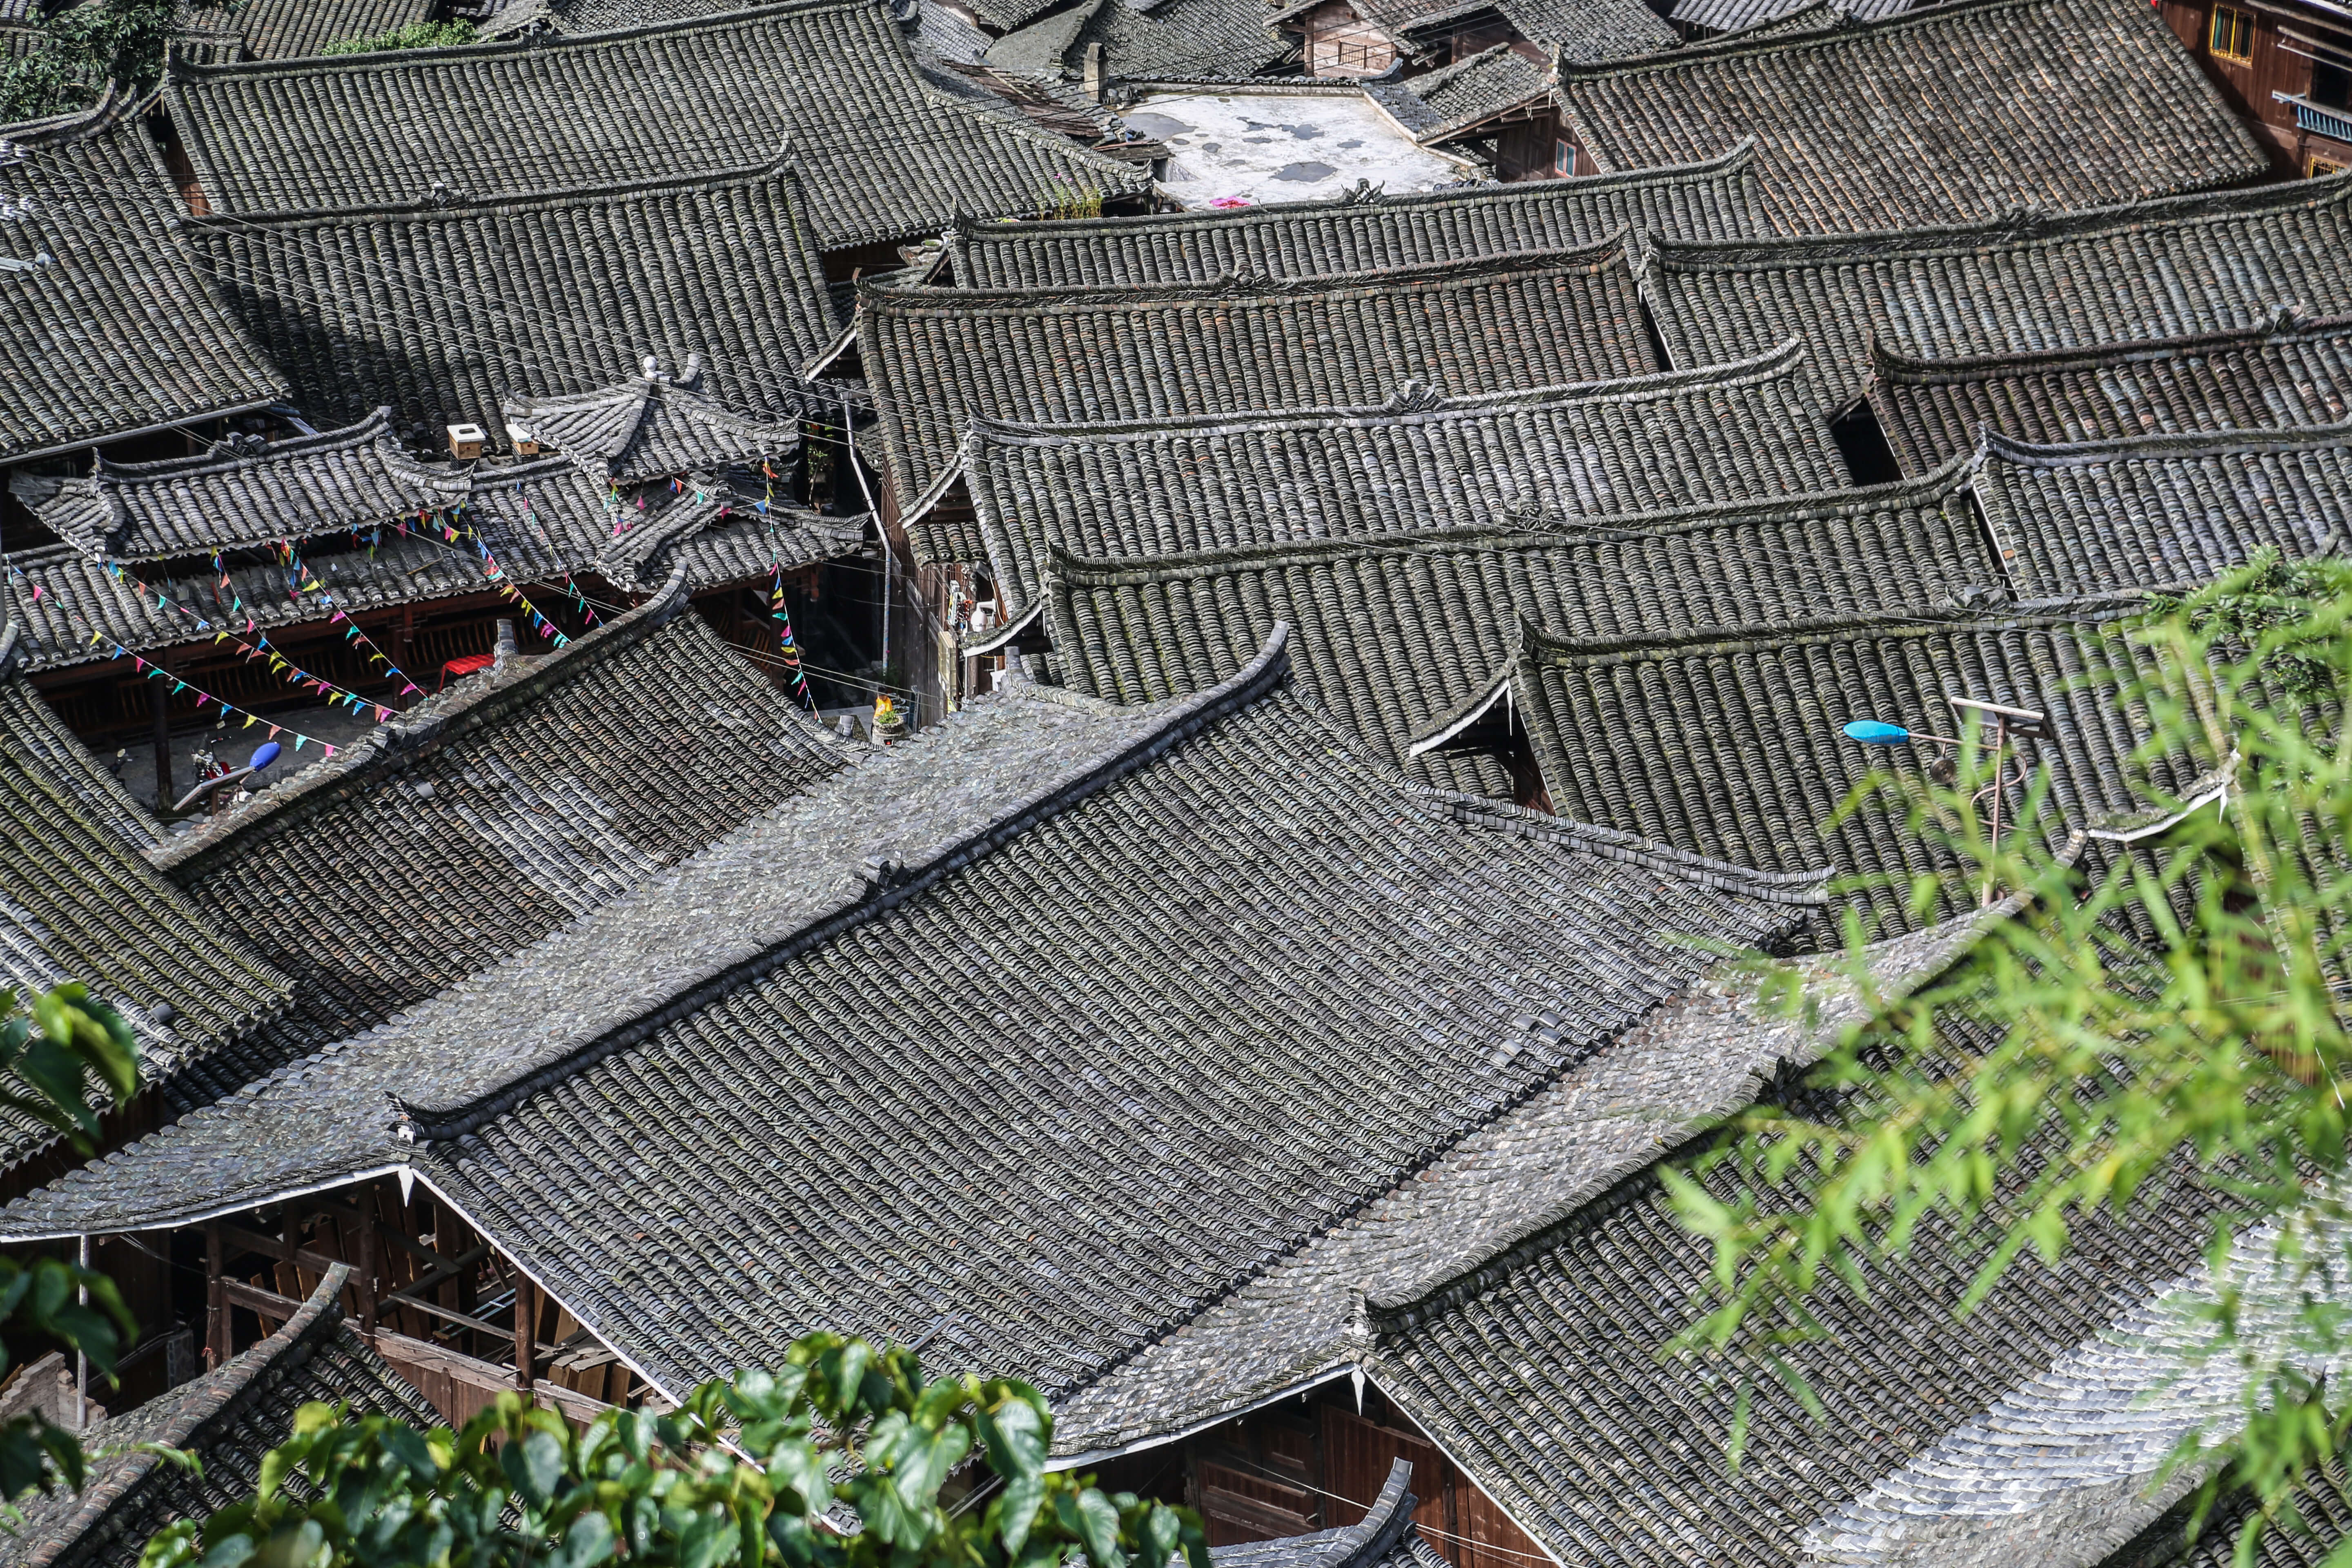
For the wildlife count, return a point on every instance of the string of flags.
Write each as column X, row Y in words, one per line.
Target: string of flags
column 301, row 580
column 153, row 671
column 786, row 648
column 262, row 649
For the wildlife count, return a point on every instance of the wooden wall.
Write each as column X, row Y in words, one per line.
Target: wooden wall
column 1317, row 1463
column 2270, row 67
column 1340, row 43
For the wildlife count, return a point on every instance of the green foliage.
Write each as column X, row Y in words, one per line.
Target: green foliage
column 1064, row 202
column 2170, row 1020
column 416, row 35
column 82, row 49
column 46, row 1043
column 758, row 1471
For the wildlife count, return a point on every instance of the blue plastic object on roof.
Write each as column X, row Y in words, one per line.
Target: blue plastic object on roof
column 264, row 755
column 1876, row 732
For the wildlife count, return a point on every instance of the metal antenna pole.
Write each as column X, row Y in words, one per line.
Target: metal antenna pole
column 2000, row 740
column 81, row 1357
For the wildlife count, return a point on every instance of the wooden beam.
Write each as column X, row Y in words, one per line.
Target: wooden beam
column 270, row 1304
column 526, row 1329
column 445, row 1270
column 283, row 1251
column 366, row 1281
column 216, row 1327
column 486, row 1376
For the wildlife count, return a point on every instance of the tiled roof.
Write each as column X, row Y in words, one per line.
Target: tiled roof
column 2072, row 1461
column 1540, row 1373
column 1949, row 114
column 78, row 901
column 229, row 1418
column 118, row 330
column 1585, row 30
column 1700, row 1058
column 46, row 746
column 2167, row 1543
column 2162, row 511
column 1729, row 744
column 2286, row 371
column 1582, row 30
column 1733, row 15
column 651, row 426
column 289, row 29
column 2030, row 283
column 885, row 154
column 569, row 527
column 440, row 310
column 1416, row 465
column 1454, row 98
column 1173, row 40
column 1362, row 232
column 493, row 814
column 246, row 490
column 1367, row 971
column 939, row 358
column 1403, row 637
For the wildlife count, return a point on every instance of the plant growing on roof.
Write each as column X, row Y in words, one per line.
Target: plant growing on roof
column 81, row 50
column 416, row 35
column 51, row 1044
column 837, row 1461
column 1066, row 201
column 2173, row 1016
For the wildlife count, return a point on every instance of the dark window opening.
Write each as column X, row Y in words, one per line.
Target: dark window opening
column 1862, row 442
column 2331, row 86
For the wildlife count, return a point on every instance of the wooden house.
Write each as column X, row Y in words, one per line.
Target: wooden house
column 1378, row 38
column 2285, row 67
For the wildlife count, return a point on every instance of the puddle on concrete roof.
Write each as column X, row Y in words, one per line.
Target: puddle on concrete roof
column 1239, row 147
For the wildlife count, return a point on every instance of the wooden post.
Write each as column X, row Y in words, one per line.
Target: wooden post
column 367, row 1267
column 159, row 699
column 526, row 1329
column 216, row 1329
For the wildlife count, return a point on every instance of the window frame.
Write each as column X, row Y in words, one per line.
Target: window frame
column 2231, row 24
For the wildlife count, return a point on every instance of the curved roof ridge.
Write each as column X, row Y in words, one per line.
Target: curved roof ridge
column 1991, row 445
column 2286, row 324
column 890, row 884
column 370, row 427
column 1543, row 643
column 113, row 507
column 185, row 64
column 456, row 205
column 1743, row 41
column 1741, row 155
column 113, row 107
column 1512, row 532
column 1402, row 409
column 1227, row 286
column 2020, row 225
column 114, row 1489
column 430, row 725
